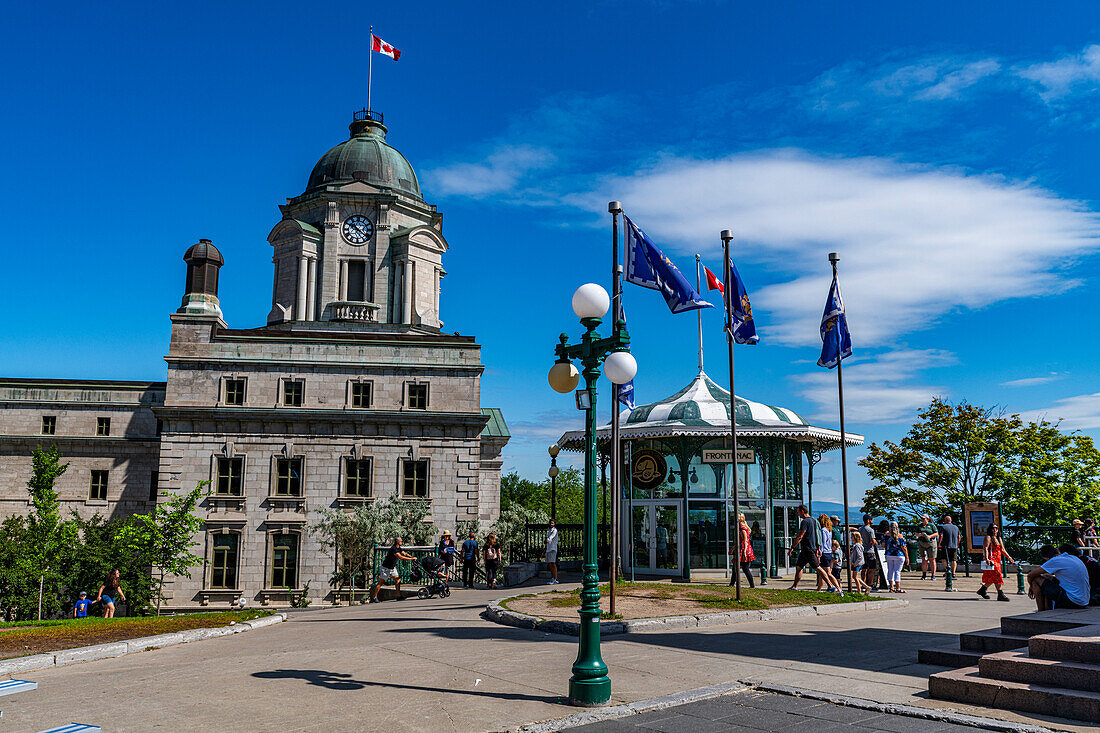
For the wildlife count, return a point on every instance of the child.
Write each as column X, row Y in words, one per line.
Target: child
column 858, row 560
column 80, row 610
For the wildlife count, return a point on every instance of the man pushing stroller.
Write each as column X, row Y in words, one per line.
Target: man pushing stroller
column 389, row 571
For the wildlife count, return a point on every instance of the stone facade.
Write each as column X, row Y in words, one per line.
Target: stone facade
column 352, row 374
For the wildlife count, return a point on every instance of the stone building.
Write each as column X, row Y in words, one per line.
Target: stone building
column 349, row 393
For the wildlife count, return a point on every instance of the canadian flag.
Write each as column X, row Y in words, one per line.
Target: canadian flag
column 380, row 46
column 713, row 283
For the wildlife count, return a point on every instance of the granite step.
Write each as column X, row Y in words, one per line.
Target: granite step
column 1072, row 645
column 1042, row 622
column 949, row 655
column 1018, row 666
column 991, row 640
column 968, row 686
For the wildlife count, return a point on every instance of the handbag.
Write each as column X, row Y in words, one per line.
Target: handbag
column 986, row 565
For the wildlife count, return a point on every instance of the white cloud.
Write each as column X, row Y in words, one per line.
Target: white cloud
column 500, row 172
column 876, row 390
column 1067, row 74
column 1075, row 413
column 934, row 78
column 1030, row 381
column 915, row 243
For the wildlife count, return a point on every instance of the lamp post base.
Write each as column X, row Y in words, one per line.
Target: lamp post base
column 590, row 693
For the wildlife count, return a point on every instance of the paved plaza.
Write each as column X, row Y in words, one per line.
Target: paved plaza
column 437, row 665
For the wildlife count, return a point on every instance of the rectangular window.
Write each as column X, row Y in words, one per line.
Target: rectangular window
column 284, row 561
column 103, row 426
column 230, row 476
column 223, row 571
column 234, row 392
column 357, row 480
column 98, row 491
column 49, row 424
column 414, row 479
column 288, row 476
column 418, row 396
column 361, row 394
column 293, row 393
column 154, row 485
column 357, row 280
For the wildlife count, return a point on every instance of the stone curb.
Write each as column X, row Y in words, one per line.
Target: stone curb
column 911, row 711
column 130, row 646
column 497, row 613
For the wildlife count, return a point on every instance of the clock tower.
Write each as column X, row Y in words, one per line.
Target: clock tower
column 359, row 247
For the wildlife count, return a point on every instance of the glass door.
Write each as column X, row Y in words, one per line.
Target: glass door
column 655, row 539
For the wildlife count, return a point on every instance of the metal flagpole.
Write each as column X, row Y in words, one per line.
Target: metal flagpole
column 834, row 258
column 614, row 207
column 370, row 66
column 699, row 313
column 727, row 235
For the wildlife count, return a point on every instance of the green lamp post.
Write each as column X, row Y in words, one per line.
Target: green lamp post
column 590, row 685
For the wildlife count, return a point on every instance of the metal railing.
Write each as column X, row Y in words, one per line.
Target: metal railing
column 404, row 567
column 531, row 548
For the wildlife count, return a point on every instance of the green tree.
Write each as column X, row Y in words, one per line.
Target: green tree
column 48, row 539
column 511, row 526
column 961, row 453
column 352, row 536
column 535, row 495
column 163, row 539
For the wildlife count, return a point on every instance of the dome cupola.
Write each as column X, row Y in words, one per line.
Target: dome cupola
column 365, row 156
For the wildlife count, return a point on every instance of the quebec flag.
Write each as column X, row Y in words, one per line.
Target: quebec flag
column 626, row 391
column 646, row 265
column 740, row 312
column 836, row 342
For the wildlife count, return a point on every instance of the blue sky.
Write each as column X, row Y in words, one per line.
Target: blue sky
column 947, row 154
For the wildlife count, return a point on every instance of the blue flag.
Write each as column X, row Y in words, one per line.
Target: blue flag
column 626, row 391
column 740, row 312
column 646, row 265
column 836, row 342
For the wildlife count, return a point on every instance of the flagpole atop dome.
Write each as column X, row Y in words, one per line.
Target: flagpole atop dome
column 370, row 67
column 699, row 312
column 727, row 236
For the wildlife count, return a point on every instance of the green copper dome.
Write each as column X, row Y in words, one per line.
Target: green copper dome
column 365, row 157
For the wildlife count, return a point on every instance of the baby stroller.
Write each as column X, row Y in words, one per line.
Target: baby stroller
column 430, row 572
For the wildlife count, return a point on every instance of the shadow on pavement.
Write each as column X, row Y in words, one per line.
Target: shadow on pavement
column 342, row 681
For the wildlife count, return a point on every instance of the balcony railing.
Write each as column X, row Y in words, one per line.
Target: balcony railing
column 354, row 311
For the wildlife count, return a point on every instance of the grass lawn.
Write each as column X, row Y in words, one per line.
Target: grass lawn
column 21, row 638
column 650, row 600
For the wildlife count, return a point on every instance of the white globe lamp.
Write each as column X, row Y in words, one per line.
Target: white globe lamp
column 591, row 301
column 564, row 377
column 620, row 367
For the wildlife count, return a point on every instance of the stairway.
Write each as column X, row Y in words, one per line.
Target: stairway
column 1046, row 662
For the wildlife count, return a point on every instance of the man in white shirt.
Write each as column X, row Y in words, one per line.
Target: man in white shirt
column 1062, row 581
column 552, row 552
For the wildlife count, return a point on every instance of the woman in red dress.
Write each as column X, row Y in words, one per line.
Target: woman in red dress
column 747, row 555
column 994, row 551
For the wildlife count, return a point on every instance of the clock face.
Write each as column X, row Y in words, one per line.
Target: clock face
column 357, row 229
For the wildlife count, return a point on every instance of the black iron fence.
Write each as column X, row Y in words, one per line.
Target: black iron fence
column 570, row 542
column 1021, row 541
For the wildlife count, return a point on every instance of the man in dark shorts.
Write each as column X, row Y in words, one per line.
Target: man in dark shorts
column 1060, row 582
column 949, row 541
column 870, row 566
column 388, row 571
column 806, row 543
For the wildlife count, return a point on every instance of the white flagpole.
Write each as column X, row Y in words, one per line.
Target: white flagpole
column 699, row 313
column 370, row 67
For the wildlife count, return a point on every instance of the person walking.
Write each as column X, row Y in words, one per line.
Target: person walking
column 897, row 555
column 747, row 555
column 870, row 557
column 388, row 571
column 928, row 539
column 80, row 610
column 993, row 552
column 825, row 571
column 949, row 541
column 857, row 560
column 447, row 552
column 492, row 560
column 469, row 560
column 807, row 543
column 109, row 591
column 551, row 551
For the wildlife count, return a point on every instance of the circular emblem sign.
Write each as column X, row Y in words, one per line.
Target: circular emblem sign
column 649, row 471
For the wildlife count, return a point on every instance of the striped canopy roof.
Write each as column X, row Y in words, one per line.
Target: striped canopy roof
column 703, row 408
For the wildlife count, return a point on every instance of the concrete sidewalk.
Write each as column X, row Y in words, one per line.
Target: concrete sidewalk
column 437, row 665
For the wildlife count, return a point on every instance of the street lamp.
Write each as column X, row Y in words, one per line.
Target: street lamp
column 553, row 474
column 590, row 684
